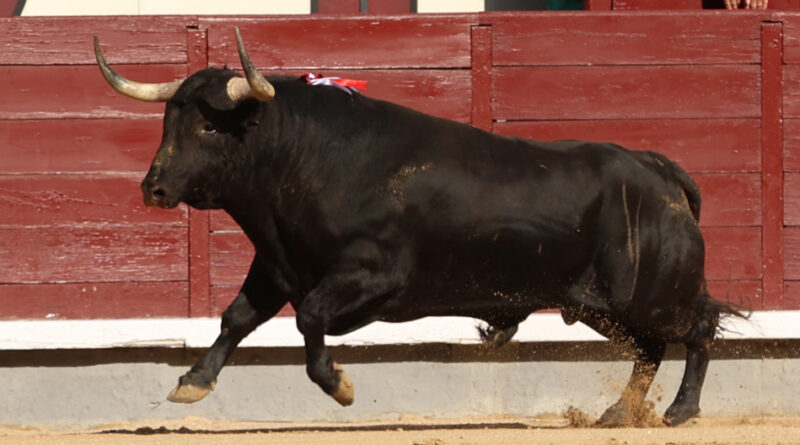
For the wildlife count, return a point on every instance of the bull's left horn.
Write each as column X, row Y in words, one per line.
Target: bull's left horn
column 150, row 92
column 256, row 86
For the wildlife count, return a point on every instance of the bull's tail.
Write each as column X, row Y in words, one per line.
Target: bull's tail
column 724, row 309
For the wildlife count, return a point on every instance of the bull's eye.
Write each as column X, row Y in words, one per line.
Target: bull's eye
column 209, row 129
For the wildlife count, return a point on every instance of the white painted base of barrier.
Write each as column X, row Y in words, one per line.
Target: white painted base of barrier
column 282, row 332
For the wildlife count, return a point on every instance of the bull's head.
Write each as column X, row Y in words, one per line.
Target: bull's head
column 204, row 118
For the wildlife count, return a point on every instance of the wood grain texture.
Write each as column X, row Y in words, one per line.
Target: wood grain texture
column 791, row 248
column 729, row 199
column 64, row 92
column 733, row 253
column 78, row 145
column 94, row 300
column 93, row 254
column 791, row 199
column 698, row 145
column 320, row 42
column 625, row 39
column 791, row 38
column 791, row 296
column 791, row 145
column 68, row 40
column 29, row 201
column 231, row 255
column 627, row 92
column 791, row 90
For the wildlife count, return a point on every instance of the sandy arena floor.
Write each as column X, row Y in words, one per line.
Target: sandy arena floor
column 553, row 429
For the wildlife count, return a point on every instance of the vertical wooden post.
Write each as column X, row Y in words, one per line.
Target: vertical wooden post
column 482, row 77
column 772, row 163
column 199, row 220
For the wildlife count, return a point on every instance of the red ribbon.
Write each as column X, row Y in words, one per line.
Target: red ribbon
column 347, row 85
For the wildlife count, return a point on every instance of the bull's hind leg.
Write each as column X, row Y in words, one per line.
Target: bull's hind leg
column 631, row 404
column 255, row 304
column 698, row 342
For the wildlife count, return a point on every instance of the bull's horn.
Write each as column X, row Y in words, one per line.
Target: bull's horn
column 150, row 92
column 256, row 86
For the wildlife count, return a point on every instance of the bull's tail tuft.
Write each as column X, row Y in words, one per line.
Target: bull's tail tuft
column 727, row 308
column 496, row 337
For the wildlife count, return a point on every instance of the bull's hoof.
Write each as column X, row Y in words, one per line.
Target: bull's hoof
column 345, row 393
column 678, row 414
column 188, row 393
column 617, row 415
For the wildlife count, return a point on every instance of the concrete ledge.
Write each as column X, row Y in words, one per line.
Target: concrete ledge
column 89, row 387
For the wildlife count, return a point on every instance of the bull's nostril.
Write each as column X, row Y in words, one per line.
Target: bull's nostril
column 158, row 194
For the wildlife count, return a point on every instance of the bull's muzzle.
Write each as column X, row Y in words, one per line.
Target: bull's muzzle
column 156, row 195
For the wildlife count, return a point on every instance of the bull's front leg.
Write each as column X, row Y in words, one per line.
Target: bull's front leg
column 256, row 303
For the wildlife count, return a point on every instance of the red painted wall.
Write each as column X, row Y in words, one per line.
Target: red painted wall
column 716, row 92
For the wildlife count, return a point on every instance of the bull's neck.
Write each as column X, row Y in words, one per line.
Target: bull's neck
column 291, row 149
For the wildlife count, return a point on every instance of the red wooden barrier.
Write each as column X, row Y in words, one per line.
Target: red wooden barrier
column 717, row 92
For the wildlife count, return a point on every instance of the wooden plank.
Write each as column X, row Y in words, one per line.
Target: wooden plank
column 772, row 161
column 625, row 39
column 78, row 145
column 94, row 300
column 221, row 221
column 68, row 40
column 627, row 92
column 733, row 253
column 791, row 295
column 223, row 296
column 729, row 199
column 320, row 42
column 78, row 200
column 93, row 254
column 791, row 145
column 791, row 249
column 649, row 5
column 441, row 93
column 231, row 255
column 791, row 38
column 791, row 91
column 59, row 92
column 698, row 145
column 482, row 77
column 791, row 199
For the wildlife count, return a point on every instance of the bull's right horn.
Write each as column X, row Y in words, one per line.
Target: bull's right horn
column 149, row 92
column 256, row 86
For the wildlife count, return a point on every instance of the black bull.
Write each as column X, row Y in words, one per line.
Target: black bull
column 362, row 210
